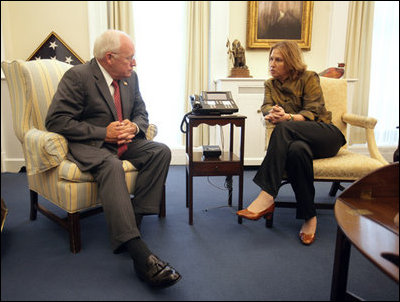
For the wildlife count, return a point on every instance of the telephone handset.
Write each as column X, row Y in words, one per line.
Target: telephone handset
column 213, row 103
column 195, row 102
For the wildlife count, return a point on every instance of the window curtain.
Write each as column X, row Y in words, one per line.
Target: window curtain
column 358, row 60
column 97, row 19
column 384, row 93
column 197, row 59
column 120, row 16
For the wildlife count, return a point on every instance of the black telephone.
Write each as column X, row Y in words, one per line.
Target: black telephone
column 213, row 103
column 210, row 103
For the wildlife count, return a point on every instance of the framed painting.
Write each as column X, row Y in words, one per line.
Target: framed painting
column 269, row 22
column 53, row 47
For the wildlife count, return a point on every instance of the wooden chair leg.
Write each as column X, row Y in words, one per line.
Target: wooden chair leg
column 335, row 187
column 162, row 204
column 74, row 232
column 229, row 182
column 34, row 204
column 71, row 223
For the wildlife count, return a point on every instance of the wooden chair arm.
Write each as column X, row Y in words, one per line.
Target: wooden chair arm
column 359, row 120
column 368, row 123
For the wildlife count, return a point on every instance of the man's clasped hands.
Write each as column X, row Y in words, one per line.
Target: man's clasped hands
column 121, row 132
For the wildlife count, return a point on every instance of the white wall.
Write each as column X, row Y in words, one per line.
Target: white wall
column 25, row 24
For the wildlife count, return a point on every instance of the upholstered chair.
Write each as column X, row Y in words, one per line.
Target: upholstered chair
column 346, row 166
column 32, row 86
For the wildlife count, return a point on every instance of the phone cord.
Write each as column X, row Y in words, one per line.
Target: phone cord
column 184, row 121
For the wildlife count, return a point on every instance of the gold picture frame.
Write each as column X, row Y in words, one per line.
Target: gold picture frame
column 269, row 22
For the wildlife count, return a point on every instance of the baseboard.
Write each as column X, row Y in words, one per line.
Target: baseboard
column 12, row 165
column 178, row 156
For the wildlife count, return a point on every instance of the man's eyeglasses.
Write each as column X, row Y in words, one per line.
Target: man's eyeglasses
column 129, row 59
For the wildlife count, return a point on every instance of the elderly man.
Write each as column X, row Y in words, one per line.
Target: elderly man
column 99, row 109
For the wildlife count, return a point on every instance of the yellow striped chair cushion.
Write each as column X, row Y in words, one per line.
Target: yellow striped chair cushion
column 70, row 171
column 70, row 196
column 45, row 184
column 74, row 197
column 77, row 196
column 43, row 150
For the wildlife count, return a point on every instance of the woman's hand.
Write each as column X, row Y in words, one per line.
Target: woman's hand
column 276, row 115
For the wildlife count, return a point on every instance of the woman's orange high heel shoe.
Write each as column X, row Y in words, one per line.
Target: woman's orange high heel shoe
column 268, row 214
column 306, row 239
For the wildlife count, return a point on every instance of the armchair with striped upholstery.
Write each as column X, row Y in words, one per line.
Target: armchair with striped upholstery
column 32, row 86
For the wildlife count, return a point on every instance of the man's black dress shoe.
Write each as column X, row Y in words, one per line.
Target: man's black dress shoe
column 157, row 273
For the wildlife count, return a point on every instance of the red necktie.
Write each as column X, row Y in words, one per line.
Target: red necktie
column 117, row 100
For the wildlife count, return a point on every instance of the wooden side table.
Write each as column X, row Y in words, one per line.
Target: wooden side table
column 365, row 213
column 228, row 164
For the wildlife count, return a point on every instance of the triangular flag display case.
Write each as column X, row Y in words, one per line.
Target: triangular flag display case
column 53, row 47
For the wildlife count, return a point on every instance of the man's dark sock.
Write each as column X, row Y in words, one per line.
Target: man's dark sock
column 138, row 250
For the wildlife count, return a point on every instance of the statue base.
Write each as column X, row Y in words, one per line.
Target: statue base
column 238, row 72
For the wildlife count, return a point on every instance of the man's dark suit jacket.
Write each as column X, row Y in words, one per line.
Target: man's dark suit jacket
column 83, row 107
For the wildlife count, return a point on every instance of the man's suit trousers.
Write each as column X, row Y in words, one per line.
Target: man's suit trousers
column 292, row 147
column 152, row 159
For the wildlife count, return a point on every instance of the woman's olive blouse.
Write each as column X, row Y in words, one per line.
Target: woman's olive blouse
column 302, row 96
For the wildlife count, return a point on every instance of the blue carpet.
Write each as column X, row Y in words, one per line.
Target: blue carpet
column 218, row 258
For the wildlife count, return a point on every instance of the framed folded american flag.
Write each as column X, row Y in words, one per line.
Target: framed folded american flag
column 53, row 47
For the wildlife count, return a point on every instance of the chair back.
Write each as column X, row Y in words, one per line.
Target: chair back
column 32, row 85
column 335, row 95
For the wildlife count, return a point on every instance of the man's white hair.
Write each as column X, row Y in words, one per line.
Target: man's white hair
column 110, row 40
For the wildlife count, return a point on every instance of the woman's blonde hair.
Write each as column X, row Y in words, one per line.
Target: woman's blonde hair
column 292, row 56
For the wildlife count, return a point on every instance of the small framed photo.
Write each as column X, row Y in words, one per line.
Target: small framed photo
column 53, row 47
column 269, row 22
